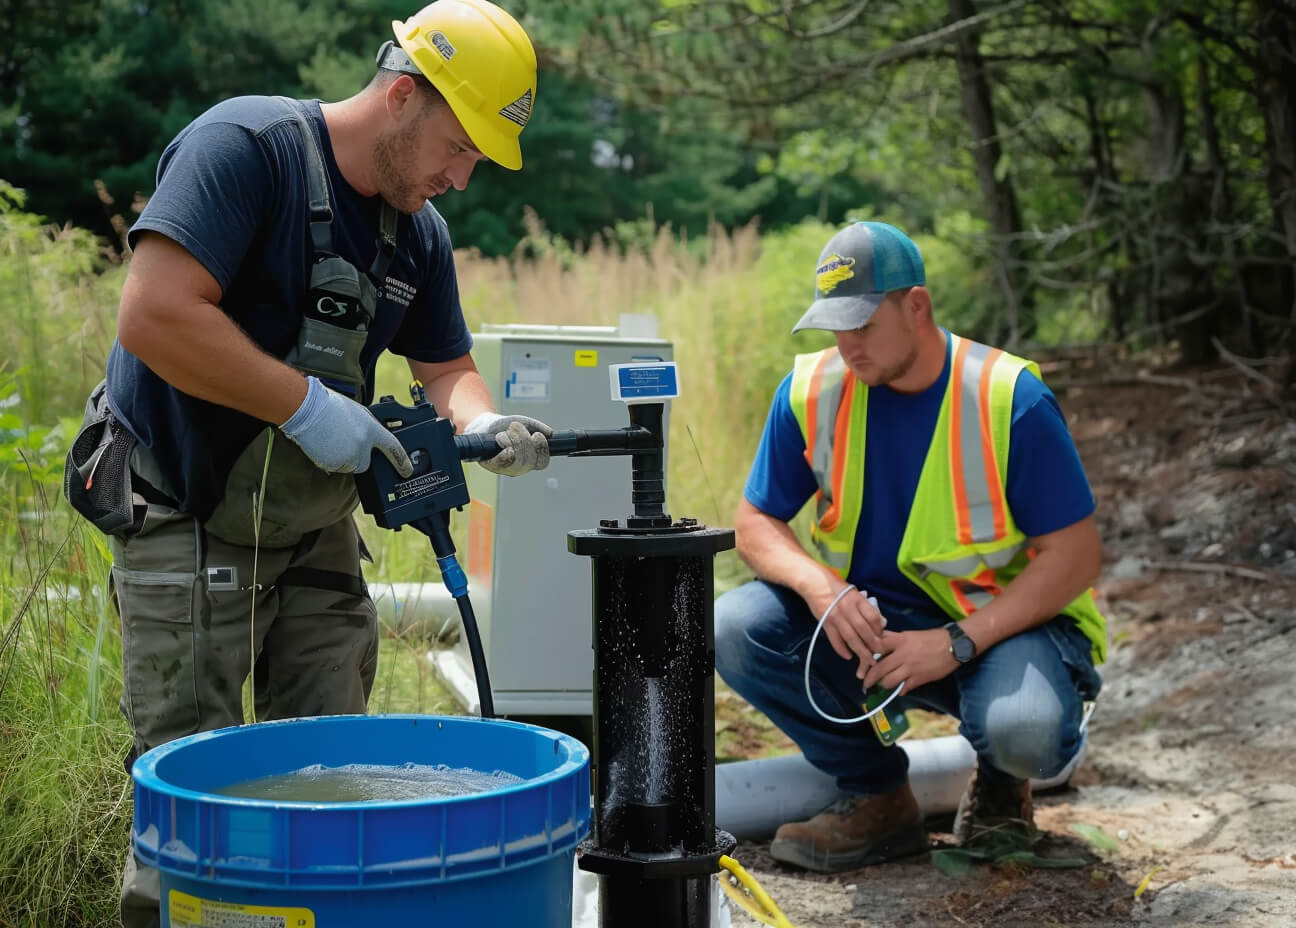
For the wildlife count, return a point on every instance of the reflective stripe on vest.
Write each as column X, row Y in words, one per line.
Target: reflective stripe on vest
column 980, row 511
column 821, row 422
column 822, row 404
column 975, row 593
column 978, row 497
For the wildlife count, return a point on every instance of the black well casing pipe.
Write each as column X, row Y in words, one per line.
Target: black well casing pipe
column 654, row 842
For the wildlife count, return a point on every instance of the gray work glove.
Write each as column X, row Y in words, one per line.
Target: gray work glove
column 339, row 434
column 524, row 442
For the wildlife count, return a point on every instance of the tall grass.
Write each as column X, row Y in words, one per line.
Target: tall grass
column 726, row 302
column 63, row 791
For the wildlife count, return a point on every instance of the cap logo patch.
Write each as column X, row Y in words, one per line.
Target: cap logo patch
column 519, row 111
column 833, row 271
column 442, row 45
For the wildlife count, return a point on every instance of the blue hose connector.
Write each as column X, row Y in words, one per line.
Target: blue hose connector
column 452, row 574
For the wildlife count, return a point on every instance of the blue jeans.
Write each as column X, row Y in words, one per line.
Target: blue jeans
column 1019, row 703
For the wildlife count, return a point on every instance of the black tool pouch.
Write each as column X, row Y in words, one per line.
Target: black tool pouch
column 96, row 473
column 335, row 323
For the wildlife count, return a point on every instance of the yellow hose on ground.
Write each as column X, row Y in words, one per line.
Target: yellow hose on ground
column 744, row 890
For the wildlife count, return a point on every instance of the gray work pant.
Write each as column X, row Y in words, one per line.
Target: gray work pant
column 188, row 634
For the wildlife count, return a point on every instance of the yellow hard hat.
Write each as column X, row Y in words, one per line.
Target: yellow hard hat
column 480, row 59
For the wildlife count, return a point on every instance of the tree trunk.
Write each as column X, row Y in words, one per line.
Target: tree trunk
column 1278, row 101
column 996, row 185
column 1119, row 315
column 1176, row 225
column 1222, row 212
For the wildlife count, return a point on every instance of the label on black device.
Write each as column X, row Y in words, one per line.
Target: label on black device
column 418, row 486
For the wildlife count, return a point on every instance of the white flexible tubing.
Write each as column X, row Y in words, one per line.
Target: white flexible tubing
column 810, row 652
column 1088, row 711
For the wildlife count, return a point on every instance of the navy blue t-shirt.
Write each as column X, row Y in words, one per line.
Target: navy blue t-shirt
column 231, row 189
column 1046, row 491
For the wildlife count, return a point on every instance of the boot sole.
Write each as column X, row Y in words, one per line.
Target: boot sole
column 901, row 844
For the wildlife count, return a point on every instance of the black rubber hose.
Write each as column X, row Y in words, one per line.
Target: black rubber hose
column 437, row 529
column 484, row 698
column 566, row 442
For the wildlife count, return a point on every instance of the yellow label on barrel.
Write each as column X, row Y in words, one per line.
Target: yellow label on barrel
column 881, row 723
column 191, row 912
column 587, row 359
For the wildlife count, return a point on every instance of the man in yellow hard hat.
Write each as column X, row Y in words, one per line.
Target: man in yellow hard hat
column 288, row 244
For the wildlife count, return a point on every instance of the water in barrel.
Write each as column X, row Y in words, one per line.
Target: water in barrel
column 370, row 783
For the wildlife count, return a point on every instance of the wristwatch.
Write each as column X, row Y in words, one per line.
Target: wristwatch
column 961, row 646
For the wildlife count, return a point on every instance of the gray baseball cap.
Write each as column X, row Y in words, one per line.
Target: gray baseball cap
column 858, row 267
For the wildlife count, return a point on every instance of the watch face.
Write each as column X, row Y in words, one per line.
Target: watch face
column 964, row 648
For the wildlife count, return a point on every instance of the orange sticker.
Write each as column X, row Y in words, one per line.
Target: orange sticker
column 481, row 540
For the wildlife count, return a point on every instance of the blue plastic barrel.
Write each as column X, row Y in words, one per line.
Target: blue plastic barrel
column 502, row 857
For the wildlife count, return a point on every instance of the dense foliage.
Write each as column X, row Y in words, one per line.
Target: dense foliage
column 94, row 89
column 1129, row 161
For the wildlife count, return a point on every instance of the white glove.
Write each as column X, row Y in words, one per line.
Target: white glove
column 339, row 434
column 524, row 442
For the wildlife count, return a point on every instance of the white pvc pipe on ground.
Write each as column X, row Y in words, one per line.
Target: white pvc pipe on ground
column 754, row 797
column 420, row 608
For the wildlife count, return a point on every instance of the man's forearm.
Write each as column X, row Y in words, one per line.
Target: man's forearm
column 1063, row 569
column 771, row 549
column 209, row 356
column 456, row 389
column 170, row 318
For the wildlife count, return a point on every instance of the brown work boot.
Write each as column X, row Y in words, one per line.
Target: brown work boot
column 854, row 832
column 997, row 813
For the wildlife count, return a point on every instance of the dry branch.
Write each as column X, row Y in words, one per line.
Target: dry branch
column 1243, row 366
column 1231, row 570
column 1143, row 377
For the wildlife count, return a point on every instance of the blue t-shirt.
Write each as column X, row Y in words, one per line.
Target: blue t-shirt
column 1046, row 491
column 231, row 189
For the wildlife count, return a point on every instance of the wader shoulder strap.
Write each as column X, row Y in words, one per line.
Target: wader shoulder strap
column 321, row 207
column 388, row 223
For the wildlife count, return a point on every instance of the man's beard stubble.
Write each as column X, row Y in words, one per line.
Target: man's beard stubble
column 393, row 159
column 899, row 369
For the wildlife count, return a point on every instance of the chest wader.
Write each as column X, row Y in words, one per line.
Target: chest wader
column 337, row 313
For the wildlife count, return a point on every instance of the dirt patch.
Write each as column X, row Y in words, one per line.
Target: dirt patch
column 1191, row 771
column 741, row 733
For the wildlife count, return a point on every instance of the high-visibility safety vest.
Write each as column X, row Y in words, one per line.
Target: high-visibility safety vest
column 960, row 546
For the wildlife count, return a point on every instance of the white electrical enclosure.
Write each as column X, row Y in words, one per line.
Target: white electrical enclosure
column 530, row 595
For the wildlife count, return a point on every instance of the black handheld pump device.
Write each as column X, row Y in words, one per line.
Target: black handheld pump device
column 437, row 485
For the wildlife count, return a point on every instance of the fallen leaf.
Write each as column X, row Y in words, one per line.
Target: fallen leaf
column 1143, row 884
column 1094, row 835
column 952, row 863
